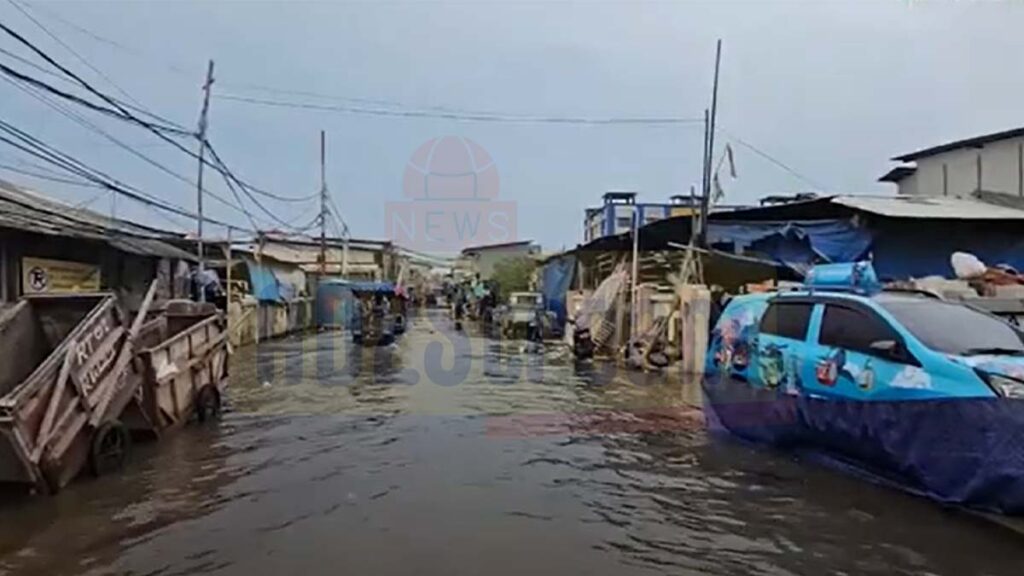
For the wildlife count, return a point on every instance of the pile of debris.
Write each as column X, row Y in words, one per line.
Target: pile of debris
column 997, row 289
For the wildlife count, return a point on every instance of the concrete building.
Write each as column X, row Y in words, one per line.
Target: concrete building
column 615, row 215
column 481, row 259
column 988, row 163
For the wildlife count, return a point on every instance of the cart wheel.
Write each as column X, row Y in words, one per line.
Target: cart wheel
column 110, row 446
column 208, row 403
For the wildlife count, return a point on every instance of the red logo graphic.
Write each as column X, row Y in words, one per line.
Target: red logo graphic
column 452, row 185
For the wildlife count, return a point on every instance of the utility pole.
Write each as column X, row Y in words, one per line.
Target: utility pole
column 699, row 223
column 199, row 179
column 706, row 201
column 323, row 204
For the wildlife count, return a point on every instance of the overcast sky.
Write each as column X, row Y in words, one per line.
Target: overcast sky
column 831, row 89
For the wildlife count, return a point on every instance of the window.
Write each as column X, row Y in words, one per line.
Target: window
column 624, row 222
column 787, row 319
column 955, row 329
column 853, row 329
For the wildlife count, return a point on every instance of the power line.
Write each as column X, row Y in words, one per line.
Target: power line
column 252, row 188
column 229, row 177
column 464, row 116
column 39, row 149
column 157, row 130
column 104, row 40
column 47, row 177
column 27, row 62
column 426, row 112
column 124, row 114
column 80, row 58
column 77, row 99
column 130, row 149
column 792, row 171
column 50, row 89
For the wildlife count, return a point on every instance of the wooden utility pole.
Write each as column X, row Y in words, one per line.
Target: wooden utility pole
column 323, row 204
column 706, row 201
column 698, row 225
column 227, row 256
column 199, row 179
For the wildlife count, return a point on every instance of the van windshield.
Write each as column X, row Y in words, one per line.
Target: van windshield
column 956, row 329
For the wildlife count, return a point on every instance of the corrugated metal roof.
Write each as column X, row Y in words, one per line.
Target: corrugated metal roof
column 975, row 142
column 898, row 173
column 23, row 209
column 928, row 207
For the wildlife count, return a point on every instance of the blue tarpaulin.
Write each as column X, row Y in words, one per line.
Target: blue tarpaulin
column 909, row 249
column 965, row 451
column 556, row 277
column 797, row 244
column 336, row 306
column 265, row 286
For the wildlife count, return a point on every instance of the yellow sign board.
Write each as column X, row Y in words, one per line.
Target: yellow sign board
column 44, row 276
column 683, row 211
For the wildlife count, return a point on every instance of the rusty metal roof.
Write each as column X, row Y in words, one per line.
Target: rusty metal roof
column 29, row 211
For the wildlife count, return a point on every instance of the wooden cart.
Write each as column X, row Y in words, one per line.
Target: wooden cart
column 67, row 376
column 184, row 365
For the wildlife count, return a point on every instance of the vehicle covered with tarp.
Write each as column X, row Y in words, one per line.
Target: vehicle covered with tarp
column 903, row 388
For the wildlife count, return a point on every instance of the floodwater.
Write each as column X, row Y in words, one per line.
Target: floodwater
column 451, row 455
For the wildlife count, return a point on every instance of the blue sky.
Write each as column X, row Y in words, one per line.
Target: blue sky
column 832, row 89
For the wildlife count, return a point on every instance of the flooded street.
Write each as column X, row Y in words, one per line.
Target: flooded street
column 446, row 455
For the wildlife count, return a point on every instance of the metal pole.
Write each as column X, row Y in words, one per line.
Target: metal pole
column 227, row 256
column 633, row 283
column 323, row 204
column 706, row 202
column 700, row 209
column 3, row 270
column 199, row 179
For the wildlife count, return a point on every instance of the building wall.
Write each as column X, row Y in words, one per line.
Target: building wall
column 129, row 275
column 956, row 173
column 484, row 261
column 612, row 219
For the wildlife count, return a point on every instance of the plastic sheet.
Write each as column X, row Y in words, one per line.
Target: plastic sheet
column 967, row 452
column 556, row 277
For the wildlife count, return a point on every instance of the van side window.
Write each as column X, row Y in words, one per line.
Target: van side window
column 787, row 319
column 852, row 329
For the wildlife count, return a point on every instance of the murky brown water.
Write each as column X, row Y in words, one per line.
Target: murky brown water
column 333, row 464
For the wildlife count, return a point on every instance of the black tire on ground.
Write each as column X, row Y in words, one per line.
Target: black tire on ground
column 208, row 404
column 110, row 447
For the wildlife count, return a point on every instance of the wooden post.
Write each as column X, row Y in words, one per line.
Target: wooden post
column 3, row 269
column 199, row 179
column 323, row 205
column 227, row 257
column 694, row 311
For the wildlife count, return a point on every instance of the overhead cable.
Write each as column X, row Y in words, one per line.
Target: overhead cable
column 462, row 116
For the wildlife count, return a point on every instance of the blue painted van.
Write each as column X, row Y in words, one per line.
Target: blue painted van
column 914, row 391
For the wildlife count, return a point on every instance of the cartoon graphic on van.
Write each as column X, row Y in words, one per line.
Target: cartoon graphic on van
column 772, row 366
column 866, row 378
column 831, row 367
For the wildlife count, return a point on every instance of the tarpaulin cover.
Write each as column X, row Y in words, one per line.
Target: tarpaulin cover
column 381, row 287
column 555, row 280
column 797, row 244
column 335, row 305
column 265, row 286
column 961, row 451
column 912, row 249
column 270, row 284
